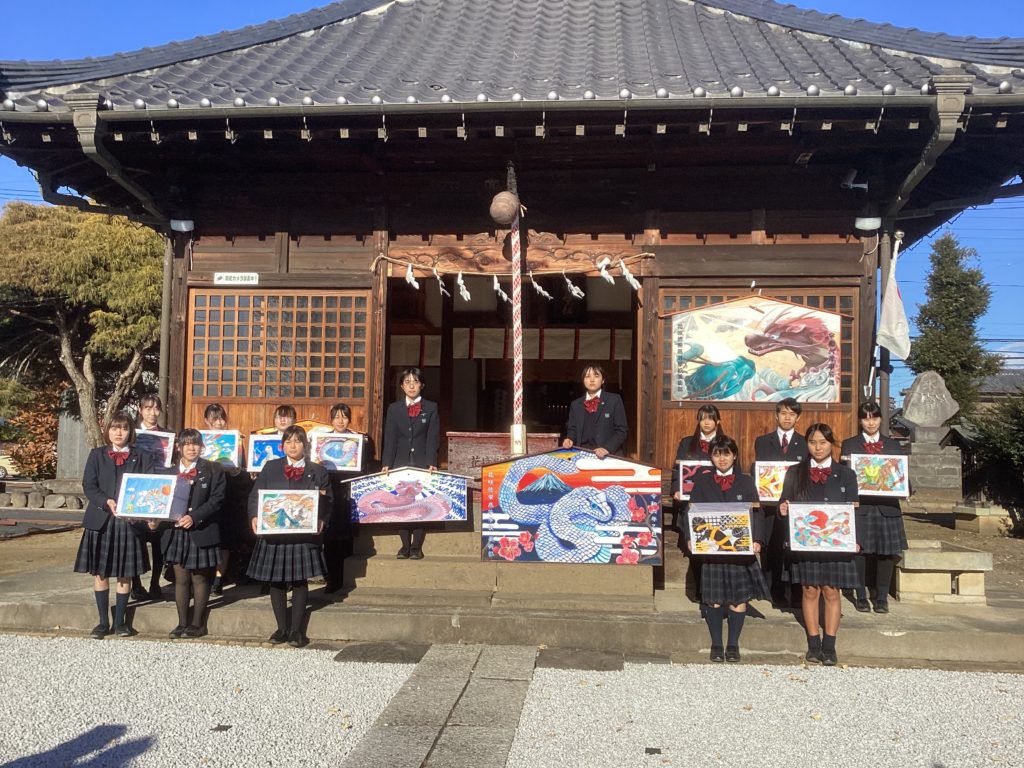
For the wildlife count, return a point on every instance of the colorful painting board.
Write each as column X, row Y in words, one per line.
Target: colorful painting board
column 337, row 452
column 263, row 448
column 148, row 497
column 287, row 512
column 769, row 476
column 822, row 528
column 160, row 444
column 221, row 446
column 882, row 474
column 720, row 529
column 408, row 495
column 755, row 349
column 688, row 471
column 568, row 506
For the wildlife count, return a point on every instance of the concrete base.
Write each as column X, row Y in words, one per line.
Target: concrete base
column 933, row 571
column 983, row 519
column 936, row 473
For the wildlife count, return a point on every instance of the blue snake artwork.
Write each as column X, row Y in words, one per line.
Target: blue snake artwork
column 566, row 529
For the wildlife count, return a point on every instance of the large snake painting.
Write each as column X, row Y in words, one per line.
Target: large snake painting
column 567, row 529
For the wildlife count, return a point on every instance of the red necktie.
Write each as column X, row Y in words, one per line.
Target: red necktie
column 875, row 447
column 591, row 404
column 820, row 474
column 188, row 475
column 294, row 472
column 119, row 457
column 704, row 446
column 785, row 444
column 725, row 481
column 414, row 410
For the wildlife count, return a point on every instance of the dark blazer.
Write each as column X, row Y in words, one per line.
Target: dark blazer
column 411, row 442
column 611, row 422
column 683, row 453
column 839, row 488
column 272, row 478
column 768, row 448
column 886, row 506
column 101, row 480
column 706, row 491
column 205, row 502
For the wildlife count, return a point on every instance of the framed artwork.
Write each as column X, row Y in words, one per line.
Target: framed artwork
column 147, row 497
column 409, row 495
column 822, row 528
column 337, row 452
column 688, row 471
column 263, row 448
column 882, row 474
column 287, row 512
column 221, row 446
column 756, row 349
column 720, row 529
column 160, row 444
column 568, row 506
column 769, row 476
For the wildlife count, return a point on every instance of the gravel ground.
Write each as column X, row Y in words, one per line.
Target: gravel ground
column 72, row 701
column 703, row 715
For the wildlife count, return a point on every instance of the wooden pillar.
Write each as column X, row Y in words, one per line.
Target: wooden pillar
column 178, row 346
column 379, row 387
column 884, row 367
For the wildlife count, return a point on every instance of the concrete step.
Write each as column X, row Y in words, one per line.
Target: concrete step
column 564, row 602
column 433, row 572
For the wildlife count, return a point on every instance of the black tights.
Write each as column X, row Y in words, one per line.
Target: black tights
column 279, row 602
column 884, row 567
column 195, row 584
column 417, row 534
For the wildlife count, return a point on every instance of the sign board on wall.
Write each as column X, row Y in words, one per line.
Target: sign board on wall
column 236, row 278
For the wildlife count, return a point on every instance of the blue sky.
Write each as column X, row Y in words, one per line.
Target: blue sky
column 68, row 30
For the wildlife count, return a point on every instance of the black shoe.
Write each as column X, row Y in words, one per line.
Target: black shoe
column 828, row 657
column 169, row 574
column 194, row 632
column 403, row 553
column 814, row 656
column 416, row 553
column 717, row 654
column 881, row 606
column 123, row 630
column 297, row 639
column 139, row 595
column 218, row 586
column 100, row 631
column 278, row 637
column 862, row 605
column 155, row 594
column 177, row 632
column 732, row 653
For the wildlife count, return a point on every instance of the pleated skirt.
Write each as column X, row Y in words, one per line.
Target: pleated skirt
column 878, row 534
column 275, row 561
column 181, row 550
column 812, row 570
column 731, row 583
column 116, row 551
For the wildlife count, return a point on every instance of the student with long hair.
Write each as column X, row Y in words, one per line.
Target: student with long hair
column 234, row 517
column 151, row 410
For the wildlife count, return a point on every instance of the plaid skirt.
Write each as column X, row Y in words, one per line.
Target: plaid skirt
column 812, row 570
column 117, row 550
column 879, row 535
column 183, row 552
column 731, row 582
column 278, row 562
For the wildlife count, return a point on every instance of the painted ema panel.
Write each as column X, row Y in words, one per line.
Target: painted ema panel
column 408, row 495
column 822, row 528
column 568, row 506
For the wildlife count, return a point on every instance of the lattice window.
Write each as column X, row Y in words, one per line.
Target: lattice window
column 277, row 344
column 838, row 300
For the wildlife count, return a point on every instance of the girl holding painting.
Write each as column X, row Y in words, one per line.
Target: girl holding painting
column 817, row 478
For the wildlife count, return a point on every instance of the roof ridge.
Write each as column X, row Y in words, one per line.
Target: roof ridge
column 1001, row 51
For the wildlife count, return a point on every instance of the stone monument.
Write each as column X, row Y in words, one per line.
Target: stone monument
column 935, row 466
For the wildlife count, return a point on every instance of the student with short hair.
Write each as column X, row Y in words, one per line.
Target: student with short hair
column 597, row 420
column 151, row 410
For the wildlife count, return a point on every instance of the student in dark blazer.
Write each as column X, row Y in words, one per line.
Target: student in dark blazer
column 112, row 545
column 696, row 447
column 289, row 560
column 190, row 542
column 151, row 410
column 412, row 438
column 728, row 580
column 597, row 421
column 880, row 531
column 820, row 479
column 783, row 443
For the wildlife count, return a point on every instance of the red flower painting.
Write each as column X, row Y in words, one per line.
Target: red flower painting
column 508, row 548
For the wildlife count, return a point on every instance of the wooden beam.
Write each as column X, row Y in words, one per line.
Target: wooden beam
column 342, row 278
column 777, row 260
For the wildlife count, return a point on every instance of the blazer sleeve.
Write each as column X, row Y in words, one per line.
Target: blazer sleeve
column 620, row 426
column 91, row 480
column 789, row 484
column 391, row 434
column 849, row 478
column 572, row 426
column 322, row 478
column 215, row 500
column 433, row 436
column 254, row 494
column 680, row 455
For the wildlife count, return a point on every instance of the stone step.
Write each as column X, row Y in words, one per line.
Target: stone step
column 563, row 602
column 451, row 599
column 451, row 541
column 433, row 572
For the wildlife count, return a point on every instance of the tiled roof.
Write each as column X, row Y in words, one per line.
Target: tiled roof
column 1004, row 382
column 430, row 51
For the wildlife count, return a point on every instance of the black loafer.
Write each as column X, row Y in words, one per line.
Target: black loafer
column 218, row 587
column 416, row 554
column 862, row 605
column 403, row 554
column 717, row 654
column 829, row 658
column 278, row 637
column 100, row 631
column 297, row 640
column 882, row 606
column 194, row 632
column 155, row 594
column 177, row 632
column 123, row 631
column 732, row 654
column 814, row 656
column 140, row 595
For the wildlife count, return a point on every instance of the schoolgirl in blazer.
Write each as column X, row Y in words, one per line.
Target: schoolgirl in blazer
column 597, row 421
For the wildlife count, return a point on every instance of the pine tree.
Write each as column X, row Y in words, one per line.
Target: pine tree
column 948, row 342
